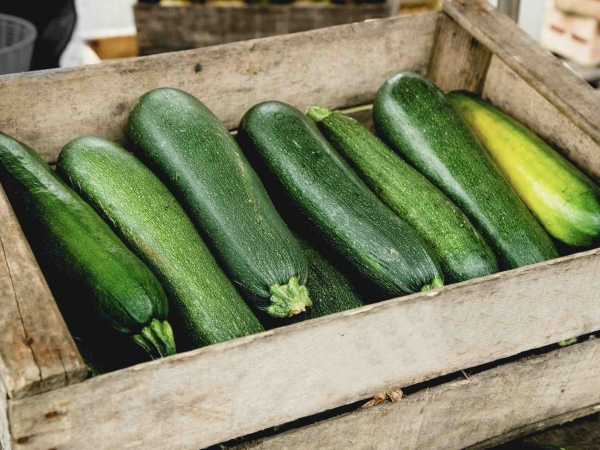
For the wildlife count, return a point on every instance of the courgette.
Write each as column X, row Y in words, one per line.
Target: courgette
column 147, row 217
column 460, row 249
column 562, row 199
column 330, row 289
column 320, row 185
column 416, row 120
column 201, row 163
column 72, row 242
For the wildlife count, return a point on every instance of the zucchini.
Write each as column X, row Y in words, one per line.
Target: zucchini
column 201, row 163
column 561, row 198
column 73, row 243
column 417, row 121
column 147, row 217
column 460, row 249
column 330, row 289
column 316, row 181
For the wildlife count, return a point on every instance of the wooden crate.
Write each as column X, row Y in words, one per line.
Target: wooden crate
column 168, row 27
column 574, row 37
column 214, row 394
column 587, row 8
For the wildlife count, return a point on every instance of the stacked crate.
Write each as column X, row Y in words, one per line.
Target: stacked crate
column 572, row 30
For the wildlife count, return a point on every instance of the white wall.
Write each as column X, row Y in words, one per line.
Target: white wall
column 101, row 18
column 531, row 15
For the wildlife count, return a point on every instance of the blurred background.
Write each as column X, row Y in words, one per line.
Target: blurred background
column 77, row 32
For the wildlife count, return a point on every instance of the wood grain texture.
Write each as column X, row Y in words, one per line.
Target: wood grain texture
column 210, row 395
column 463, row 413
column 572, row 96
column 459, row 61
column 511, row 93
column 5, row 441
column 167, row 28
column 37, row 352
column 537, row 427
column 337, row 67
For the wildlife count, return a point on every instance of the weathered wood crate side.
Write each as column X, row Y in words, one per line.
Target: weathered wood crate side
column 475, row 412
column 221, row 392
column 37, row 352
column 167, row 28
column 339, row 67
column 228, row 390
column 545, row 74
column 47, row 109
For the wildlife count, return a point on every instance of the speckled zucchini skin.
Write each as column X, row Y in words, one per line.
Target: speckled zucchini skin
column 335, row 202
column 562, row 199
column 147, row 217
column 460, row 249
column 87, row 258
column 417, row 121
column 201, row 163
column 330, row 290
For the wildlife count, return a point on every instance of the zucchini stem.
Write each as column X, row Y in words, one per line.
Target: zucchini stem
column 436, row 283
column 318, row 113
column 157, row 339
column 289, row 299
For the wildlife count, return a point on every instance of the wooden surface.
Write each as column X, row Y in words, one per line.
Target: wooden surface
column 162, row 28
column 4, row 427
column 574, row 37
column 466, row 412
column 115, row 47
column 589, row 8
column 572, row 96
column 459, row 61
column 573, row 433
column 37, row 352
column 504, row 440
column 337, row 67
column 228, row 390
column 511, row 93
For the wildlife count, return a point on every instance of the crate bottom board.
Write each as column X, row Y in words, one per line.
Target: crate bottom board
column 475, row 412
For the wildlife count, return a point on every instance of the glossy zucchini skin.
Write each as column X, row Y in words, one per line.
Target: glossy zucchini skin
column 562, row 199
column 416, row 120
column 199, row 160
column 89, row 261
column 462, row 252
column 323, row 189
column 147, row 217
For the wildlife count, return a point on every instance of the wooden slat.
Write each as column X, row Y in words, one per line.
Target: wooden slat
column 459, row 61
column 37, row 352
column 338, row 67
column 5, row 443
column 505, row 401
column 506, row 89
column 572, row 96
column 167, row 28
column 536, row 427
column 210, row 395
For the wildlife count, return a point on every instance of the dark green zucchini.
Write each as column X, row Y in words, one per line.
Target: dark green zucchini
column 320, row 185
column 330, row 289
column 202, row 164
column 460, row 249
column 416, row 120
column 87, row 259
column 151, row 222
